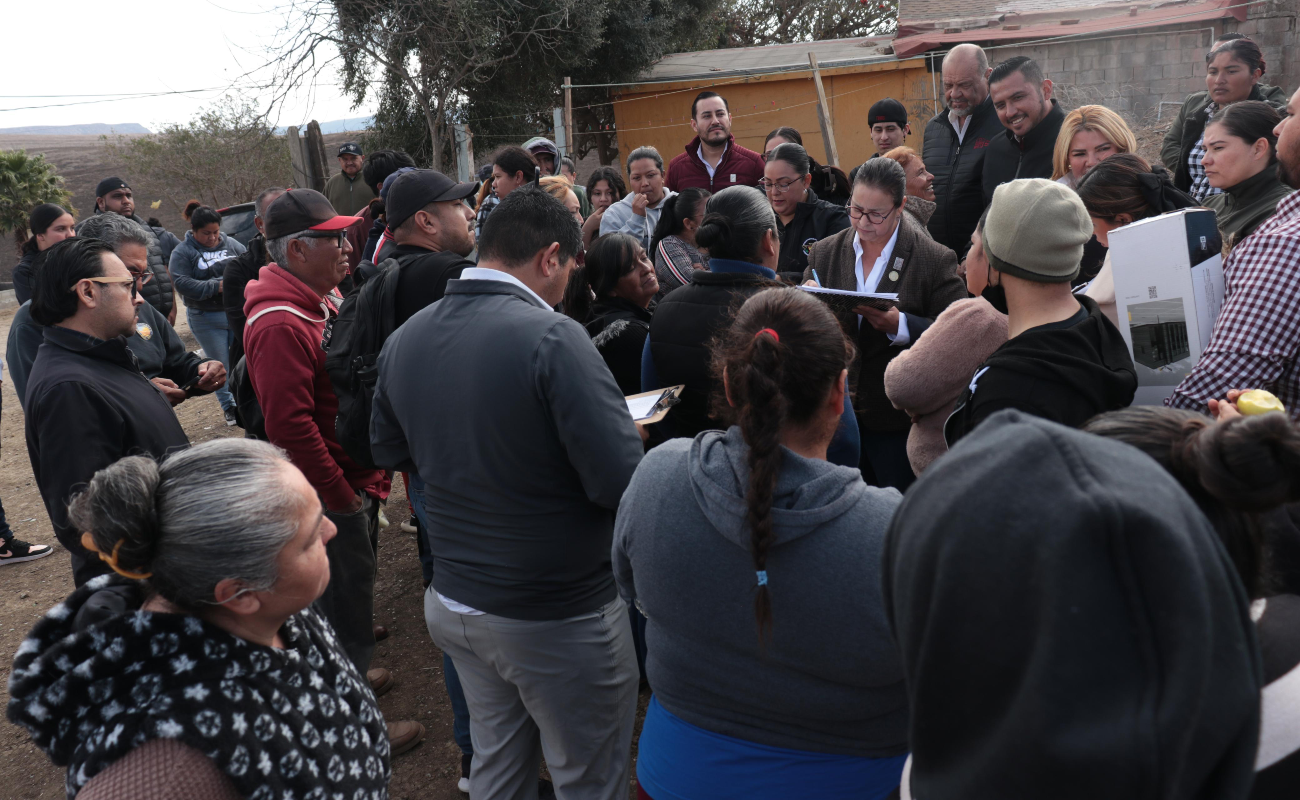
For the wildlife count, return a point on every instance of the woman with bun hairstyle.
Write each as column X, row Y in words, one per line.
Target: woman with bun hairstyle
column 803, row 218
column 829, row 183
column 610, row 295
column 197, row 268
column 673, row 246
column 200, row 669
column 1122, row 190
column 605, row 187
column 752, row 581
column 49, row 224
column 1241, row 160
column 1237, row 470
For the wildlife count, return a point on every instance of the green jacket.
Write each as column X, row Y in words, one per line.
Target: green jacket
column 1244, row 207
column 1182, row 136
column 348, row 196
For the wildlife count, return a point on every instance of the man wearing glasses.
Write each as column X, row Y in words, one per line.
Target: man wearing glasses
column 956, row 142
column 159, row 351
column 291, row 312
column 88, row 405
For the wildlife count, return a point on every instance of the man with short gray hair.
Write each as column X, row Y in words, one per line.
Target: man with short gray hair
column 638, row 212
column 956, row 142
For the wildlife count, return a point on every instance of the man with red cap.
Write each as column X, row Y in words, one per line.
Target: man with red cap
column 290, row 313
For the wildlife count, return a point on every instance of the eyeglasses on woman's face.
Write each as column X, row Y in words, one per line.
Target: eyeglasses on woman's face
column 874, row 217
column 778, row 187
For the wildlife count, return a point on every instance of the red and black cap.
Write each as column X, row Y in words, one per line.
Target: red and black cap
column 300, row 210
column 887, row 110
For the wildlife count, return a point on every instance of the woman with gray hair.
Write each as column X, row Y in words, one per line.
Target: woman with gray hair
column 884, row 251
column 638, row 212
column 200, row 669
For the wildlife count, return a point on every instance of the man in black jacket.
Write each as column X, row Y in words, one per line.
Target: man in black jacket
column 113, row 196
column 88, row 405
column 1022, row 98
column 241, row 269
column 1063, row 360
column 956, row 143
column 433, row 228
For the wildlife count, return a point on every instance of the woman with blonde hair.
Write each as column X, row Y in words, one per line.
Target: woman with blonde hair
column 561, row 188
column 1089, row 135
column 920, row 185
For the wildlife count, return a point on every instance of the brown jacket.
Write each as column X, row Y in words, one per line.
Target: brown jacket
column 927, row 379
column 161, row 769
column 926, row 284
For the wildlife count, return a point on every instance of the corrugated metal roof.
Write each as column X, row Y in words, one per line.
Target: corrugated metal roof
column 708, row 64
column 916, row 39
column 956, row 10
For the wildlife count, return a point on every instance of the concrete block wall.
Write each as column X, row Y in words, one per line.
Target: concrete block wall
column 1273, row 26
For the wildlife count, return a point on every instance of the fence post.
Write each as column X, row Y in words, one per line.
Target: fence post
column 464, row 153
column 572, row 149
column 824, row 114
column 315, row 145
column 561, row 140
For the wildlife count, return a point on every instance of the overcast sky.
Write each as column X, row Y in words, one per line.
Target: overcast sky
column 91, row 47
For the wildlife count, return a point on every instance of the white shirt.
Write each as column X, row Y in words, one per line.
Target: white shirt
column 489, row 274
column 712, row 169
column 959, row 124
column 871, row 280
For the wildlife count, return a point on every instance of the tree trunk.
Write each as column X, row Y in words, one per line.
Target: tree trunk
column 433, row 118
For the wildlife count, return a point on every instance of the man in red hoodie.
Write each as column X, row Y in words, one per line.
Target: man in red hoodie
column 712, row 159
column 289, row 320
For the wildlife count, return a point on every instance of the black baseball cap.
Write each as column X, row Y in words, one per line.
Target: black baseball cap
column 350, row 147
column 418, row 188
column 108, row 185
column 300, row 210
column 887, row 110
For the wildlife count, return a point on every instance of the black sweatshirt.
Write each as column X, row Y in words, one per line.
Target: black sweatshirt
column 1070, row 626
column 88, row 405
column 1067, row 372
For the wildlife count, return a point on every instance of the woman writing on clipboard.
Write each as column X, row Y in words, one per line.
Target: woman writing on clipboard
column 884, row 251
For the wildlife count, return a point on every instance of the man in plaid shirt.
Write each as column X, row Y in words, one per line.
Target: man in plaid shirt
column 1256, row 339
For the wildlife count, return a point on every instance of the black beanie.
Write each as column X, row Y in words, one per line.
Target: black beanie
column 43, row 216
column 109, row 184
column 1070, row 625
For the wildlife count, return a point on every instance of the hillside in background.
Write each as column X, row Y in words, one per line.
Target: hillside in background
column 83, row 162
column 92, row 129
column 355, row 124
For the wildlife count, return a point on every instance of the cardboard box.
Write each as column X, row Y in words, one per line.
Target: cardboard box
column 1168, row 291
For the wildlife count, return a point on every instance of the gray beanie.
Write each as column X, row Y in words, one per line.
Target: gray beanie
column 1036, row 230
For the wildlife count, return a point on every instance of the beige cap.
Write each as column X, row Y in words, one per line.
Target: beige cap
column 1036, row 230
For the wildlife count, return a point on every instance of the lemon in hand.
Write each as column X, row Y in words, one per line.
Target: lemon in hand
column 1258, row 401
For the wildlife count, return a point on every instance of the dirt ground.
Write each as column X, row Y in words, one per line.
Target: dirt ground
column 428, row 772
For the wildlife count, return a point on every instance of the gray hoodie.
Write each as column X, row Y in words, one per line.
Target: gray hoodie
column 829, row 679
column 619, row 218
column 196, row 271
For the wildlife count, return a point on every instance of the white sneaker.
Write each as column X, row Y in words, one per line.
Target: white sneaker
column 463, row 785
column 408, row 528
column 383, row 520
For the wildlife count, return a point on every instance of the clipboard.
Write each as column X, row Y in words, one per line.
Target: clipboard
column 660, row 401
column 844, row 302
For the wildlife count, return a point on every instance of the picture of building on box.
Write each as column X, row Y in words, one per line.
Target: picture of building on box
column 1160, row 346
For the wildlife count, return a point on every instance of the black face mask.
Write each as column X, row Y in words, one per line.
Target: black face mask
column 997, row 297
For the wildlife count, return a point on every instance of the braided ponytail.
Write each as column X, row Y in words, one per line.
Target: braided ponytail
column 779, row 361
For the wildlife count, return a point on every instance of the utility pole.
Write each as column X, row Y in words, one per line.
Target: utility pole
column 824, row 114
column 572, row 147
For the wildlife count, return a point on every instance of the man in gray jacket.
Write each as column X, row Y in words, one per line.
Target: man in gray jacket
column 509, row 414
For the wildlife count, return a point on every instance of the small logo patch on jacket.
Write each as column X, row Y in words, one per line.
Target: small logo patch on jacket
column 144, row 331
column 808, row 245
column 979, row 143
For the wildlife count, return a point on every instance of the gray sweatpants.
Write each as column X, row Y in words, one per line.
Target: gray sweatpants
column 564, row 689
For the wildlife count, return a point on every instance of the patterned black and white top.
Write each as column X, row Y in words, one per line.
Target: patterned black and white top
column 1200, row 188
column 298, row 722
column 1277, row 762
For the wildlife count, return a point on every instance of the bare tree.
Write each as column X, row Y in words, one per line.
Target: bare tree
column 429, row 51
column 747, row 23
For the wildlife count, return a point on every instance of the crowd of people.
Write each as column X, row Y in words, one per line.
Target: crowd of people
column 889, row 548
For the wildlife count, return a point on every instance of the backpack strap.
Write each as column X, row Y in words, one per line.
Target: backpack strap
column 296, row 312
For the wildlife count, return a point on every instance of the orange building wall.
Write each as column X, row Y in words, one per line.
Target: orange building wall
column 659, row 115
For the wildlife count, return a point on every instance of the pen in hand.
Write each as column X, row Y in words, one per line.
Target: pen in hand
column 815, row 278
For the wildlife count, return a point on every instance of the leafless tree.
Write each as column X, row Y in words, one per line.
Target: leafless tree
column 428, row 50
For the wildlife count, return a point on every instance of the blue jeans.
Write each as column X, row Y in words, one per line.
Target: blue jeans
column 212, row 329
column 459, row 707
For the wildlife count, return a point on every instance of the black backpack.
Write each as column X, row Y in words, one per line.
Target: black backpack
column 248, row 411
column 365, row 321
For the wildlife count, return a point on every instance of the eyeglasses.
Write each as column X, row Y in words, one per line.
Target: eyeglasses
column 142, row 277
column 778, row 187
column 337, row 236
column 103, row 281
column 874, row 217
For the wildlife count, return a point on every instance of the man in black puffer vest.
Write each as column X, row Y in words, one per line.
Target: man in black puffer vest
column 1023, row 100
column 956, row 143
column 112, row 195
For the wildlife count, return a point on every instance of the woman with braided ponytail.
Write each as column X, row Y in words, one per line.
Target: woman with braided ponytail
column 773, row 668
column 1238, row 470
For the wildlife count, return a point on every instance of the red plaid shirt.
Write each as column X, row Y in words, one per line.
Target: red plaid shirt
column 1256, row 339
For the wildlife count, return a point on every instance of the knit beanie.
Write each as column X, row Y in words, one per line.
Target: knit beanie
column 1036, row 230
